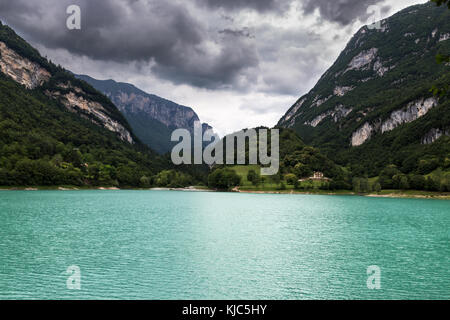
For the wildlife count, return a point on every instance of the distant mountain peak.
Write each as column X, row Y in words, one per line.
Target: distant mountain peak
column 152, row 118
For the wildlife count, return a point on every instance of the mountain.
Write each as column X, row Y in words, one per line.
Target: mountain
column 58, row 130
column 22, row 63
column 152, row 118
column 374, row 106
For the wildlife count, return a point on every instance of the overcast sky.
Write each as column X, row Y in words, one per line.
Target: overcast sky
column 238, row 63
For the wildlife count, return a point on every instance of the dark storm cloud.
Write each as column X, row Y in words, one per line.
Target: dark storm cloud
column 341, row 11
column 163, row 33
column 194, row 42
column 258, row 5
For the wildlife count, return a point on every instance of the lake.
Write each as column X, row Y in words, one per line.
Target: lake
column 188, row 245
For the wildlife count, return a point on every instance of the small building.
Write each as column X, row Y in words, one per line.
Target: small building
column 318, row 176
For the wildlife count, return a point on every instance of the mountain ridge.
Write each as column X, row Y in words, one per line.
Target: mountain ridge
column 22, row 63
column 377, row 92
column 59, row 131
column 152, row 118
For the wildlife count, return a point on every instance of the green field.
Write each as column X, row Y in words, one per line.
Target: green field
column 270, row 183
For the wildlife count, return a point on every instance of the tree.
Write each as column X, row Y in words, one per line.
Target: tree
column 377, row 187
column 325, row 186
column 309, row 185
column 224, row 179
column 263, row 181
column 172, row 179
column 251, row 175
column 431, row 184
column 254, row 177
column 417, row 182
column 144, row 182
column 445, row 184
column 365, row 185
column 291, row 179
column 428, row 165
column 275, row 178
column 361, row 185
column 387, row 177
column 73, row 156
column 302, row 171
column 404, row 185
column 282, row 186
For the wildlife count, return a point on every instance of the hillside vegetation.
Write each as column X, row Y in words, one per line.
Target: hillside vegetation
column 377, row 110
column 48, row 140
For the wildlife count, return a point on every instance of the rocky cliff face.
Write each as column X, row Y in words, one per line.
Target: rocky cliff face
column 170, row 114
column 379, row 84
column 413, row 111
column 22, row 70
column 336, row 115
column 362, row 134
column 434, row 134
column 75, row 101
column 152, row 118
column 32, row 75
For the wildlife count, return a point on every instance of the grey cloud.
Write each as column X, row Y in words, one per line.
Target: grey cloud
column 164, row 33
column 258, row 5
column 341, row 11
column 196, row 42
column 294, row 64
column 235, row 60
column 244, row 32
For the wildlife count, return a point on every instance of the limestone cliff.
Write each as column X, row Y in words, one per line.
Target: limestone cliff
column 75, row 101
column 32, row 75
column 22, row 70
column 413, row 111
column 380, row 85
column 152, row 118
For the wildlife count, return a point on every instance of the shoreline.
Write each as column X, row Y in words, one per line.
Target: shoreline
column 393, row 195
column 386, row 194
column 58, row 188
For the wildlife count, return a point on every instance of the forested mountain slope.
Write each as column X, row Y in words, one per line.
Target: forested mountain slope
column 152, row 118
column 58, row 130
column 374, row 106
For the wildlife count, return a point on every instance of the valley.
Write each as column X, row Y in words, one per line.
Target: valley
column 371, row 124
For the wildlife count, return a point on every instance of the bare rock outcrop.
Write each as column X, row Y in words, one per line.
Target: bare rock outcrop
column 22, row 70
column 362, row 134
column 413, row 111
column 434, row 134
column 74, row 101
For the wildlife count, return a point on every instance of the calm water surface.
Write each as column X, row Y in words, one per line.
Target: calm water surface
column 185, row 245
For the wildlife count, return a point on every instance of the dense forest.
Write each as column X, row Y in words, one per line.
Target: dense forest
column 297, row 161
column 42, row 143
column 406, row 62
column 426, row 168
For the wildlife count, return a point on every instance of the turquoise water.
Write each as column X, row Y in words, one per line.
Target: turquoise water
column 186, row 245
